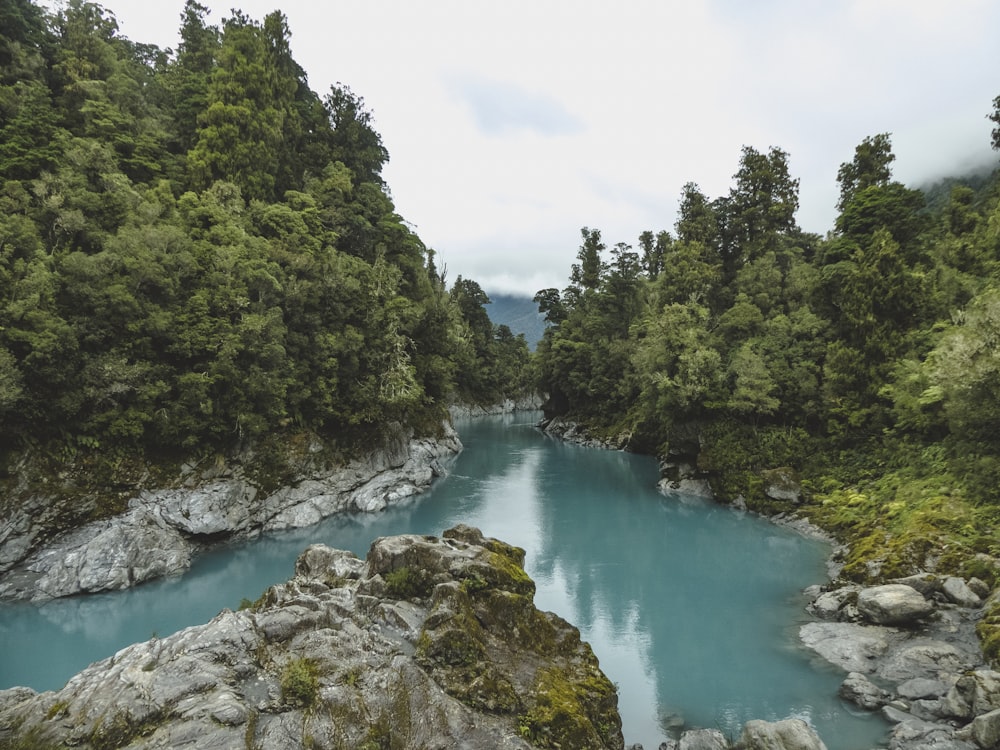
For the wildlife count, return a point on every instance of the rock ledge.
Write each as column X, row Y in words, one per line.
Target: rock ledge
column 430, row 642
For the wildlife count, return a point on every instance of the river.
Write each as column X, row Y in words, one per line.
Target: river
column 692, row 608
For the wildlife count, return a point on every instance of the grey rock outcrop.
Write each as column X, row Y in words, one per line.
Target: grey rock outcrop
column 430, row 642
column 861, row 691
column 893, row 604
column 975, row 692
column 957, row 591
column 163, row 529
column 852, row 647
column 789, row 734
column 986, row 730
column 783, row 485
column 702, row 739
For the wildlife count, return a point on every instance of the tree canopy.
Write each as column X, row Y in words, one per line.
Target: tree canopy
column 196, row 249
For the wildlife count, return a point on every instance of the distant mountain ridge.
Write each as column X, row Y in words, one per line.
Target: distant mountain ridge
column 519, row 313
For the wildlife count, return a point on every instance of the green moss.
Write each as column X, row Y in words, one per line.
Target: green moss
column 32, row 739
column 120, row 730
column 56, row 709
column 300, row 683
column 408, row 583
column 571, row 711
column 988, row 630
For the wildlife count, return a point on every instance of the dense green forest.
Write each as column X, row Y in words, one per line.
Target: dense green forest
column 197, row 250
column 868, row 360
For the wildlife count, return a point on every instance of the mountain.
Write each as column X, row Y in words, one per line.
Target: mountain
column 520, row 314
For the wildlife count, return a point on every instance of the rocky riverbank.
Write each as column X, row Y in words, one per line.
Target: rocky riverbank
column 163, row 529
column 908, row 648
column 429, row 642
column 531, row 402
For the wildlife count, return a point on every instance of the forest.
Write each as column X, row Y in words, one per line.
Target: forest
column 867, row 361
column 198, row 250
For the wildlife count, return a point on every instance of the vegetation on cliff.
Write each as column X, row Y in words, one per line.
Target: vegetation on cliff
column 865, row 360
column 197, row 249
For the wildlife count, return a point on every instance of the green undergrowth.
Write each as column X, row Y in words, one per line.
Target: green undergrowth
column 906, row 521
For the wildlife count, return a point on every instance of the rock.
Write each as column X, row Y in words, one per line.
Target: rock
column 782, row 485
column 927, row 584
column 862, row 692
column 702, row 739
column 979, row 588
column 924, row 657
column 852, row 647
column 102, row 556
column 986, row 729
column 957, row 591
column 687, row 487
column 974, row 693
column 911, row 733
column 454, row 655
column 163, row 529
column 828, row 606
column 921, row 687
column 893, row 604
column 788, row 734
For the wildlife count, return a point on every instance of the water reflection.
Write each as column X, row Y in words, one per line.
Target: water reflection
column 691, row 608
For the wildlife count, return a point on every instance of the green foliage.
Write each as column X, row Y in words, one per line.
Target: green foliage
column 300, row 683
column 408, row 583
column 866, row 361
column 196, row 250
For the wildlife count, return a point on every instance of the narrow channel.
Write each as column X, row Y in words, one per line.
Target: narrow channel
column 692, row 608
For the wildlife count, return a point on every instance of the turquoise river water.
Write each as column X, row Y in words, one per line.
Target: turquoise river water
column 693, row 609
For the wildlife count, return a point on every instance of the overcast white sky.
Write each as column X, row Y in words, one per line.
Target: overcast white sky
column 511, row 125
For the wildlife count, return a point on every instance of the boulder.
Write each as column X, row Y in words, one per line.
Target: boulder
column 456, row 655
column 927, row 584
column 986, row 730
column 924, row 657
column 957, row 591
column 788, row 734
column 782, row 484
column 976, row 692
column 862, row 692
column 852, row 647
column 703, row 739
column 921, row 687
column 829, row 605
column 893, row 604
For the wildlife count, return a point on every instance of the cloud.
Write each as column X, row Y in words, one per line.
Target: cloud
column 500, row 107
column 511, row 125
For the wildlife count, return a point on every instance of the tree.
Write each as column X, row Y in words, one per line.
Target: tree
column 550, row 304
column 586, row 275
column 696, row 219
column 762, row 203
column 869, row 168
column 994, row 116
column 239, row 136
column 354, row 141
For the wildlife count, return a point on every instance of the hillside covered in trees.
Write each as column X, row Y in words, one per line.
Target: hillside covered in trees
column 867, row 360
column 197, row 249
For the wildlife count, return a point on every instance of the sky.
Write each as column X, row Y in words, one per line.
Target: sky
column 511, row 125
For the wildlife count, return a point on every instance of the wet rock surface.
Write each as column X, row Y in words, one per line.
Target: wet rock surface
column 429, row 642
column 911, row 652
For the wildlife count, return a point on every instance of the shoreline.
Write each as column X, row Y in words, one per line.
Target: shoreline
column 915, row 670
column 163, row 530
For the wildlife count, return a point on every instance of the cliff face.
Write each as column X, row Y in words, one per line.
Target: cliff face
column 44, row 555
column 429, row 642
